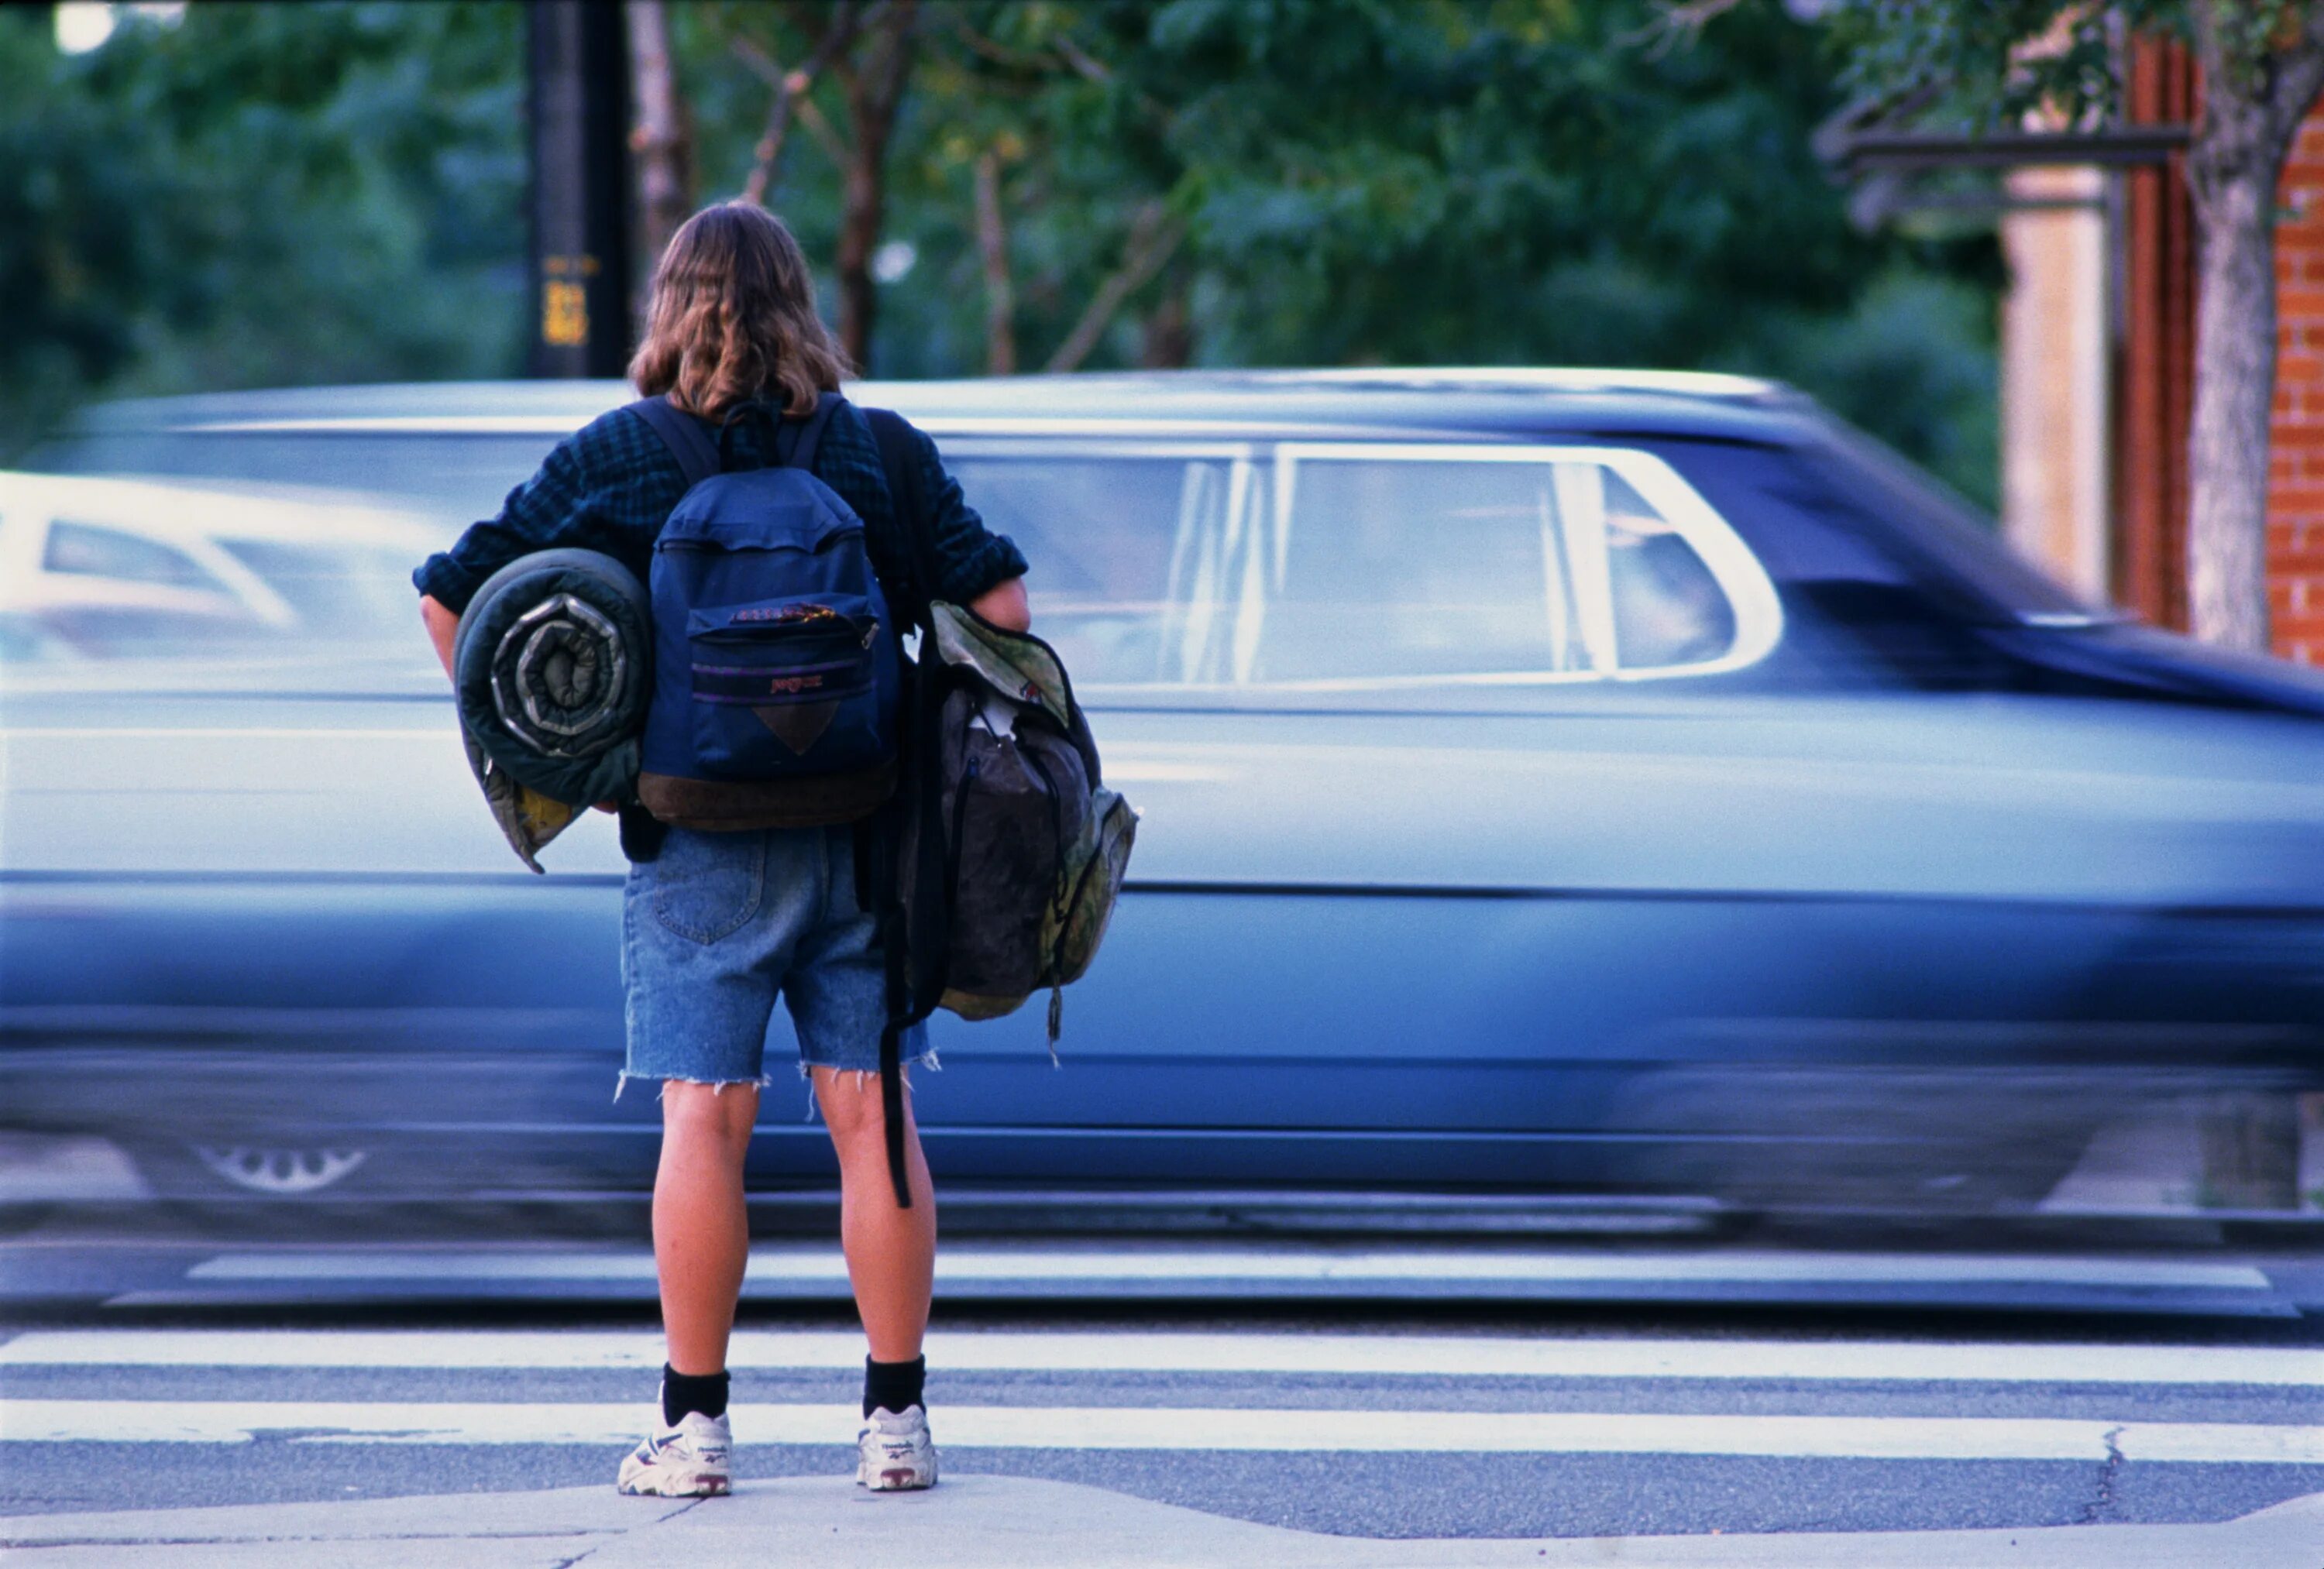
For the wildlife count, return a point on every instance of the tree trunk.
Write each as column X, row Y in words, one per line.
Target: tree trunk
column 2257, row 87
column 658, row 140
column 1169, row 331
column 992, row 247
column 875, row 87
column 2235, row 380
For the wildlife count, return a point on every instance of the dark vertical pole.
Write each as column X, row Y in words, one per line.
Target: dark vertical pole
column 2156, row 396
column 580, row 188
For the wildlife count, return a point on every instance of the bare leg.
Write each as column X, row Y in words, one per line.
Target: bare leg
column 701, row 1232
column 891, row 1253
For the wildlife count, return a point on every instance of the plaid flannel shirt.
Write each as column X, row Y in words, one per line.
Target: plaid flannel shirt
column 611, row 485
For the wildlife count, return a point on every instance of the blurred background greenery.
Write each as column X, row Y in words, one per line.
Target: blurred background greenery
column 229, row 195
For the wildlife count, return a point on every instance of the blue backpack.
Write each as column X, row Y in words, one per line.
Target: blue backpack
column 777, row 668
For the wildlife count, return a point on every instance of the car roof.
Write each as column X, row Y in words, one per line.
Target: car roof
column 1500, row 402
column 179, row 509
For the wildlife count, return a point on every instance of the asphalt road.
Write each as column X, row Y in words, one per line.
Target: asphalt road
column 1366, row 1417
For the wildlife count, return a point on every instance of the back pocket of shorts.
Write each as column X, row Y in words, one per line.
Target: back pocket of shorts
column 707, row 885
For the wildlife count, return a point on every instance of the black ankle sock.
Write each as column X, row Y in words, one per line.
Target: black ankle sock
column 684, row 1393
column 893, row 1384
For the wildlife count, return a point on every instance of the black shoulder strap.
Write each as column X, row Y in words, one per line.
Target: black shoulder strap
column 899, row 456
column 810, row 433
column 688, row 443
column 915, row 945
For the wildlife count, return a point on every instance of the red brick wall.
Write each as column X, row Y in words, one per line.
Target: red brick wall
column 2295, row 501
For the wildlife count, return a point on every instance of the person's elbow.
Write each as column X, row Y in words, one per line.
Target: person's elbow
column 443, row 624
column 1005, row 606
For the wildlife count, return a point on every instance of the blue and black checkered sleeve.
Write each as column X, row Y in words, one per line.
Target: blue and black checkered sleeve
column 607, row 487
column 969, row 558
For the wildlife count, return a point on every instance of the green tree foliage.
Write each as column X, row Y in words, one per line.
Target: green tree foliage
column 1394, row 181
column 337, row 194
column 261, row 194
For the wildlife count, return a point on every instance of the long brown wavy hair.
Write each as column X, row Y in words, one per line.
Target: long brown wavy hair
column 733, row 317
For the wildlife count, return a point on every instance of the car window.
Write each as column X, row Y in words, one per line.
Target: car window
column 93, row 550
column 1130, row 548
column 1413, row 562
column 1236, row 567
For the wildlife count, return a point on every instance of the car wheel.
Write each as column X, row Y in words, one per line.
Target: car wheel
column 283, row 1172
column 279, row 1173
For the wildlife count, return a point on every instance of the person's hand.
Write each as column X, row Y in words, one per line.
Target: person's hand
column 443, row 625
column 1005, row 606
column 607, row 806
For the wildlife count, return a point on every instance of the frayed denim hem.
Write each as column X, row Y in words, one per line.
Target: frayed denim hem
column 864, row 1076
column 622, row 1082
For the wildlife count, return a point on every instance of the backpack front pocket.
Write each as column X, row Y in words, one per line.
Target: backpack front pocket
column 787, row 687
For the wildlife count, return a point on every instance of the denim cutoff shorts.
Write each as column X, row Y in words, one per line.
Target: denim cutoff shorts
column 719, row 925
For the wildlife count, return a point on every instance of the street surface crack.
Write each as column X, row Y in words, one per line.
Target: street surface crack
column 2099, row 1508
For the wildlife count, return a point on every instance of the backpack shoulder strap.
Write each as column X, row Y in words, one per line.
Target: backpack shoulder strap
column 900, row 458
column 810, row 432
column 688, row 443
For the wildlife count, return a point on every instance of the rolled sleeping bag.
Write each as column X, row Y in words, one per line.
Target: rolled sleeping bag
column 552, row 666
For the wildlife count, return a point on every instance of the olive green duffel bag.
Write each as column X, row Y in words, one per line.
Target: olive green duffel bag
column 1033, row 846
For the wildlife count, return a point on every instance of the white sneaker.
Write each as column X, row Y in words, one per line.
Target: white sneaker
column 895, row 1454
column 687, row 1461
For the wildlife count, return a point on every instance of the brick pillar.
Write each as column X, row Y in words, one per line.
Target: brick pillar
column 2295, row 501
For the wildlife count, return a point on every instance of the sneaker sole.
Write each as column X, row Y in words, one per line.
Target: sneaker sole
column 699, row 1485
column 892, row 1479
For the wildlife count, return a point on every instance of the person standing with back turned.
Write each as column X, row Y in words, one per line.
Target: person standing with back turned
column 716, row 925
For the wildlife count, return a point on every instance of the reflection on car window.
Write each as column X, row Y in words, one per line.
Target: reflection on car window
column 94, row 551
column 1668, row 609
column 1131, row 574
column 1414, row 566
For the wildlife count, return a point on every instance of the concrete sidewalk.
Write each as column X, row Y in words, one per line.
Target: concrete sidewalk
column 1015, row 1523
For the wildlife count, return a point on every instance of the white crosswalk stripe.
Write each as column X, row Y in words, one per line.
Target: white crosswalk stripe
column 1182, row 1427
column 41, row 1417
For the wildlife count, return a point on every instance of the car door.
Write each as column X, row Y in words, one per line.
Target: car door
column 1341, row 958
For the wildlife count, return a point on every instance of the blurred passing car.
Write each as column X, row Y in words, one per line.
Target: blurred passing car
column 1554, row 784
column 114, row 568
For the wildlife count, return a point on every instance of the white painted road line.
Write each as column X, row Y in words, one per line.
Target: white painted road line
column 1192, row 1428
column 1287, row 1264
column 1907, row 1362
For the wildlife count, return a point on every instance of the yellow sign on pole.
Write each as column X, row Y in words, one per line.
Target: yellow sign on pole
column 564, row 315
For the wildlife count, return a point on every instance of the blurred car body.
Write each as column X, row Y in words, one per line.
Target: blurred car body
column 1554, row 782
